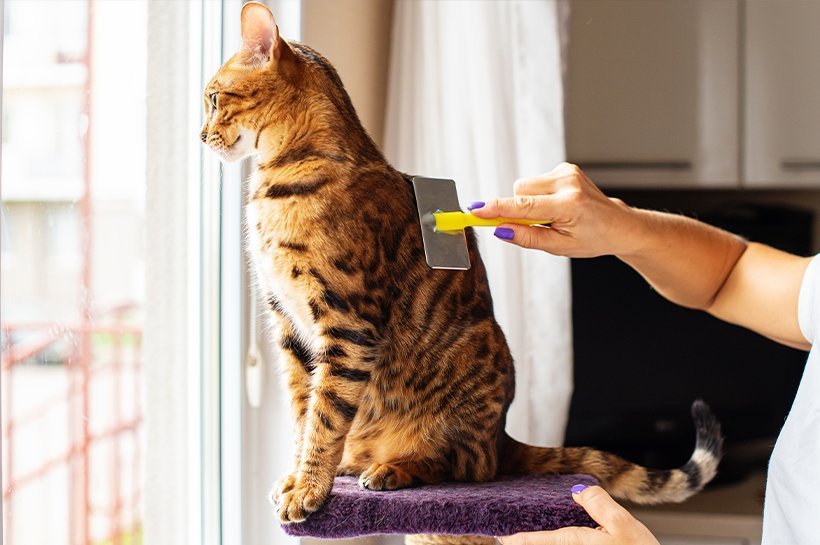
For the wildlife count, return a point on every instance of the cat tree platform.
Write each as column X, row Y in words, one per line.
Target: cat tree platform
column 449, row 513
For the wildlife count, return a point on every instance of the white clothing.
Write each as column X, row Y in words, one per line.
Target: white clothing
column 793, row 487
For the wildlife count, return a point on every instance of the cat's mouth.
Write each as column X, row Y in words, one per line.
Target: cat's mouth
column 239, row 148
column 218, row 143
column 225, row 151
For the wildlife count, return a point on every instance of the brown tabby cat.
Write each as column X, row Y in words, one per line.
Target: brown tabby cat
column 398, row 373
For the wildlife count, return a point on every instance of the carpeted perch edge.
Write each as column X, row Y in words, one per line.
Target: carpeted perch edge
column 506, row 506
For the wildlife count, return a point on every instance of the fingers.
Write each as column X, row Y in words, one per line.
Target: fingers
column 547, row 183
column 618, row 526
column 564, row 536
column 535, row 207
column 537, row 197
column 604, row 510
column 534, row 237
column 538, row 185
column 583, row 221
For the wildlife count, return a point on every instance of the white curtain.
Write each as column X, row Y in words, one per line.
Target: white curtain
column 476, row 95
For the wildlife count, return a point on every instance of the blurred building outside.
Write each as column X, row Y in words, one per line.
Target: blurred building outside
column 71, row 270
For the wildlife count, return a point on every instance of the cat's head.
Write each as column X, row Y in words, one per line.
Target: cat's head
column 255, row 96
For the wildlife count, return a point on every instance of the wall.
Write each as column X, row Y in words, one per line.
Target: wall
column 355, row 36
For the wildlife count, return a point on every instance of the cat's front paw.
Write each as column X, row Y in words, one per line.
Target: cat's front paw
column 384, row 477
column 300, row 501
column 284, row 484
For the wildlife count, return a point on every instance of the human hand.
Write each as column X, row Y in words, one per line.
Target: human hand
column 617, row 526
column 585, row 222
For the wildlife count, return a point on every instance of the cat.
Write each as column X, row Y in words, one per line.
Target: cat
column 398, row 374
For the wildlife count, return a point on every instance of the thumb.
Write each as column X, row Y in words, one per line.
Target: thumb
column 603, row 509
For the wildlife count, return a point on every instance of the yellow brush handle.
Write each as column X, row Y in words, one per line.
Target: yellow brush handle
column 457, row 221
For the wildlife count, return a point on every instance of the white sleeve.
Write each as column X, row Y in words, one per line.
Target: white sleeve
column 808, row 303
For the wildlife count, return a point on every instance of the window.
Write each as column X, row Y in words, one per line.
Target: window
column 72, row 290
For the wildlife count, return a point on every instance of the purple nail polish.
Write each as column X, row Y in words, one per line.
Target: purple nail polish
column 504, row 233
column 476, row 204
column 578, row 488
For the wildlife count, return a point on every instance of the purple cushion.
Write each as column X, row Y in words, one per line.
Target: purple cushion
column 498, row 508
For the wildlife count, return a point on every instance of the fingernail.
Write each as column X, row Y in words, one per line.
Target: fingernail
column 578, row 488
column 504, row 233
column 476, row 204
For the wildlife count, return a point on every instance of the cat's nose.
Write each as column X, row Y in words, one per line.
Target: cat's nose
column 203, row 137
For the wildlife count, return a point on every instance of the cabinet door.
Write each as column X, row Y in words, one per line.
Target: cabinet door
column 652, row 95
column 782, row 111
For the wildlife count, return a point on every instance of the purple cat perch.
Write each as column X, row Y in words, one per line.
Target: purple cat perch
column 499, row 508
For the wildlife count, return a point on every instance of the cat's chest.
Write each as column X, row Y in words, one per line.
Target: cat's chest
column 279, row 251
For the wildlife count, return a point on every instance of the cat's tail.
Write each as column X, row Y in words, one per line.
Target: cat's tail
column 619, row 477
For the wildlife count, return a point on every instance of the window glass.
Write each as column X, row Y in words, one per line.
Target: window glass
column 72, row 220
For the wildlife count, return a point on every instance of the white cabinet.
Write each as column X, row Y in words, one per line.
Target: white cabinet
column 652, row 92
column 695, row 94
column 782, row 98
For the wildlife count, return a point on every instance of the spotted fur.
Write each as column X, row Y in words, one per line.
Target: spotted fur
column 397, row 373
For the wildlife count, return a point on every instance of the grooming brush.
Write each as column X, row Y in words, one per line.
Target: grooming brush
column 443, row 223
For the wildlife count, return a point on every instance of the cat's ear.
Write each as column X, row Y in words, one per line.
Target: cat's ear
column 260, row 35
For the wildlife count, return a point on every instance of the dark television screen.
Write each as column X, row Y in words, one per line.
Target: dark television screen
column 640, row 361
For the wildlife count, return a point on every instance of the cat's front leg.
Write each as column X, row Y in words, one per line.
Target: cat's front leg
column 297, row 363
column 346, row 356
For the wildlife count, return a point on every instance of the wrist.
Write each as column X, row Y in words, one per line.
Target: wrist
column 632, row 236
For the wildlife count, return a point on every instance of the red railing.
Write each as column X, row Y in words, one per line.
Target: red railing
column 103, row 424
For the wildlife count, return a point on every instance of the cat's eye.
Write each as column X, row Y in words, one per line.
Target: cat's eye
column 213, row 99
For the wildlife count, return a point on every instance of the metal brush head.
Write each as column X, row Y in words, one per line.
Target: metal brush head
column 443, row 250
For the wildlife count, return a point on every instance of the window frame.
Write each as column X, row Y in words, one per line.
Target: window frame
column 183, row 480
column 220, row 323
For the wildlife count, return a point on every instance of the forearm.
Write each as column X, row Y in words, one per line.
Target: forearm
column 699, row 266
column 686, row 261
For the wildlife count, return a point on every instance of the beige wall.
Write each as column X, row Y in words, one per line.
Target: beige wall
column 355, row 36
